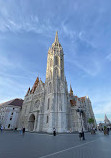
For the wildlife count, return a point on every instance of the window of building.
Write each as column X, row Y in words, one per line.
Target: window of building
column 48, row 103
column 11, row 118
column 13, row 108
column 8, row 125
column 47, row 119
column 50, row 87
column 12, row 113
column 50, row 74
column 50, row 62
column 56, row 60
column 56, row 72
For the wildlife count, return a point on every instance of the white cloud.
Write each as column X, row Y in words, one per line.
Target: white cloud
column 92, row 70
column 91, row 67
column 68, row 32
column 4, row 61
column 103, row 108
column 20, row 24
column 108, row 57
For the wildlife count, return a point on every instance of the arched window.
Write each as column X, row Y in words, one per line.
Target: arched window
column 50, row 74
column 50, row 62
column 47, row 119
column 56, row 60
column 56, row 72
column 62, row 74
column 62, row 63
column 50, row 87
column 48, row 104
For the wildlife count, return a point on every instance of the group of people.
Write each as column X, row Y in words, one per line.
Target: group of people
column 81, row 133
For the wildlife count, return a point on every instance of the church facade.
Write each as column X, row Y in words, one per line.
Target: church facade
column 49, row 105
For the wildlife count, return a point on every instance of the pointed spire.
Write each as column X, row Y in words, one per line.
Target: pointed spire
column 56, row 38
column 35, row 85
column 28, row 92
column 106, row 120
column 71, row 91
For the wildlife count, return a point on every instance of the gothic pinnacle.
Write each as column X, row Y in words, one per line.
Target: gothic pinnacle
column 56, row 37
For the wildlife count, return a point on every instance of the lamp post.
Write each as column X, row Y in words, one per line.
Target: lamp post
column 81, row 112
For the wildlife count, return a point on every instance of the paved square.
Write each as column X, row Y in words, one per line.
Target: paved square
column 33, row 145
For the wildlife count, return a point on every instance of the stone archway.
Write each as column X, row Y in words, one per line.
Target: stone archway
column 31, row 122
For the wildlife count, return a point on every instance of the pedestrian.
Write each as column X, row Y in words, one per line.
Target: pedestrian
column 70, row 130
column 80, row 135
column 1, row 128
column 23, row 131
column 83, row 137
column 107, row 131
column 54, row 131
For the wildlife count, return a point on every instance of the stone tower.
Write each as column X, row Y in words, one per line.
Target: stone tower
column 56, row 99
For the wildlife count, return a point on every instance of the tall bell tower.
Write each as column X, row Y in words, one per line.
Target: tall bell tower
column 56, row 98
column 55, row 61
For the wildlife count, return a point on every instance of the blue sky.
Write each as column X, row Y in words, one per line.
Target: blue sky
column 27, row 30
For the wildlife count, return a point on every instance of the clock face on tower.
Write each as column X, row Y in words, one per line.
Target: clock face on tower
column 37, row 103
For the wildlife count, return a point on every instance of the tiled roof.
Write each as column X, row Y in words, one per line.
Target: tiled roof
column 73, row 102
column 28, row 92
column 35, row 85
column 83, row 98
column 7, row 102
column 15, row 102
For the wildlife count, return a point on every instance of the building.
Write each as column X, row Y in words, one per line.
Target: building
column 9, row 113
column 48, row 105
column 106, row 120
column 104, row 124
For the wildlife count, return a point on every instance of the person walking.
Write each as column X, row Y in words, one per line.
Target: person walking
column 23, row 131
column 80, row 135
column 54, row 131
column 83, row 136
column 1, row 128
column 107, row 131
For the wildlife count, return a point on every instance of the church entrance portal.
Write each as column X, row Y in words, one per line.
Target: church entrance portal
column 31, row 122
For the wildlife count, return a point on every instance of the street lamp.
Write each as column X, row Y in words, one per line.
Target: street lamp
column 81, row 112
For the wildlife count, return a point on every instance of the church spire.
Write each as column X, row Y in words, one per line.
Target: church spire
column 56, row 38
column 71, row 91
column 106, row 120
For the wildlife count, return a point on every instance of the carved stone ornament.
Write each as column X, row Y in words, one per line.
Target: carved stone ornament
column 37, row 103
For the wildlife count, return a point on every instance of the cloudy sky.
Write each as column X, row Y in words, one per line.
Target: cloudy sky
column 27, row 30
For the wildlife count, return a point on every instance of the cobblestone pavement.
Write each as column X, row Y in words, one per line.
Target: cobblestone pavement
column 33, row 145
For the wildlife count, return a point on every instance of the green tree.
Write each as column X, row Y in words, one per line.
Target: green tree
column 91, row 121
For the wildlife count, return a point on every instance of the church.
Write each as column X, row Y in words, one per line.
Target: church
column 49, row 105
